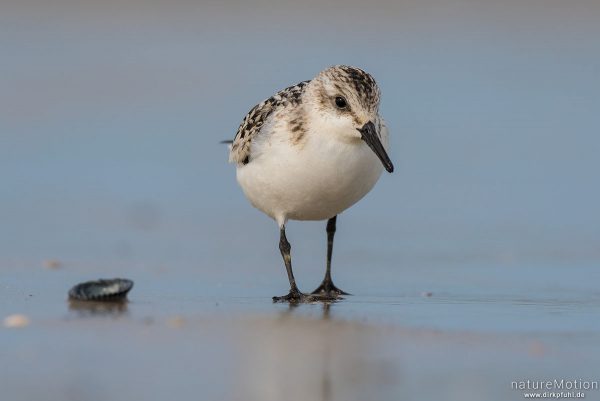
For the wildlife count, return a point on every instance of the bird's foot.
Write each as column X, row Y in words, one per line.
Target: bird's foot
column 297, row 297
column 328, row 289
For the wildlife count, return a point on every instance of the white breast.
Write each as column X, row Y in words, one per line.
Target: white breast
column 314, row 180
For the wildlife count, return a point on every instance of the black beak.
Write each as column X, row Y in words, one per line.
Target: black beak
column 369, row 135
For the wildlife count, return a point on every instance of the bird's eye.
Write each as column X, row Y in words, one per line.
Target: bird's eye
column 340, row 102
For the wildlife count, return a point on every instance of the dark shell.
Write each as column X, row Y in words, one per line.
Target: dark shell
column 101, row 290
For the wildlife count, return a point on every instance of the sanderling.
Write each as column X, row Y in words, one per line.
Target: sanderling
column 310, row 152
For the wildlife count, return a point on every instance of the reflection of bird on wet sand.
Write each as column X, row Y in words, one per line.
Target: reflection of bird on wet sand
column 308, row 354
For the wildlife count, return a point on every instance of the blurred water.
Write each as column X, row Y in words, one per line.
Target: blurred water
column 111, row 114
column 105, row 107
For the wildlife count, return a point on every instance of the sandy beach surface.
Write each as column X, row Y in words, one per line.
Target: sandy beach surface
column 170, row 342
column 475, row 264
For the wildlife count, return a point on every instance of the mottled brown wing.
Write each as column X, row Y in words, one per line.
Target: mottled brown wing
column 255, row 119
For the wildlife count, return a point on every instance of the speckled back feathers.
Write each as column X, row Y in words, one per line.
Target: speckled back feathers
column 255, row 119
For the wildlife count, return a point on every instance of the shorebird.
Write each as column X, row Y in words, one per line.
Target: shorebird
column 309, row 152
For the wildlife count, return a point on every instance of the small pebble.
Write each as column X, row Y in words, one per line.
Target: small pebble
column 176, row 322
column 537, row 348
column 52, row 264
column 16, row 321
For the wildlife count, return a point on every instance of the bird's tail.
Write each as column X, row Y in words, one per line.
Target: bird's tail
column 229, row 144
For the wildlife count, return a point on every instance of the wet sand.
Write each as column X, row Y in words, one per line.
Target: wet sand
column 473, row 265
column 160, row 345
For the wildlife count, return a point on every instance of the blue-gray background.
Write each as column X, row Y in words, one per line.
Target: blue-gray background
column 481, row 250
column 111, row 113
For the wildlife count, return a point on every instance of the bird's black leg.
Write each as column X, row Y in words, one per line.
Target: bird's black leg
column 327, row 287
column 294, row 295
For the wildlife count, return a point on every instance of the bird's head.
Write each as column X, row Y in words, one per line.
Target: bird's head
column 346, row 101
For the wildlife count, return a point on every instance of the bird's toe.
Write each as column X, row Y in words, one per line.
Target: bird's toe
column 328, row 289
column 296, row 297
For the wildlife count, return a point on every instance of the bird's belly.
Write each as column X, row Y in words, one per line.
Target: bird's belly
column 316, row 186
